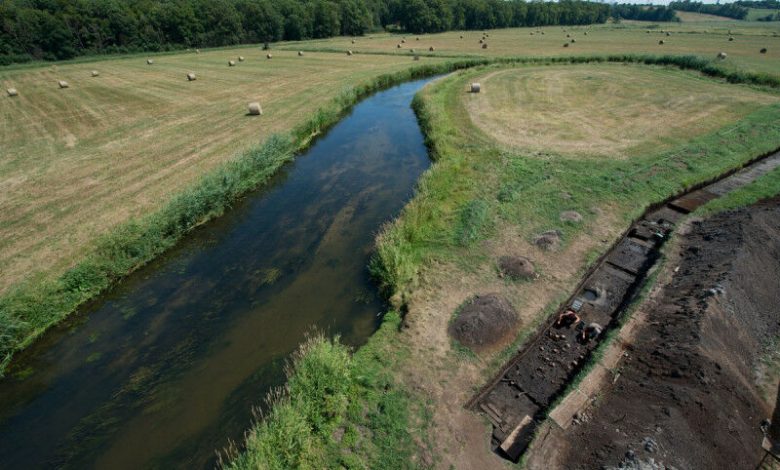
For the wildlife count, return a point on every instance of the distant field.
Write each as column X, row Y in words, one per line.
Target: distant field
column 78, row 161
column 610, row 111
column 705, row 39
column 693, row 17
column 756, row 13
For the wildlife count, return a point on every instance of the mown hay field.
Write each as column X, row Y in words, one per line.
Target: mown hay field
column 604, row 110
column 78, row 161
column 704, row 39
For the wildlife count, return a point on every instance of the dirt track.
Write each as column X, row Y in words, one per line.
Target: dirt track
column 687, row 394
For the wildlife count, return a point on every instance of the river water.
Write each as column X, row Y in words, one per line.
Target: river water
column 165, row 368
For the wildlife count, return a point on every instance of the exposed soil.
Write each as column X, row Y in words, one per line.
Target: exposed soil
column 516, row 267
column 483, row 321
column 549, row 240
column 686, row 395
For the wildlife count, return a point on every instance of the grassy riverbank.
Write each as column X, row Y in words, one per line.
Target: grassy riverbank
column 340, row 410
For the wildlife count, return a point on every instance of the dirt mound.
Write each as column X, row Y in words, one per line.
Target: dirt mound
column 571, row 216
column 483, row 321
column 689, row 381
column 549, row 240
column 516, row 267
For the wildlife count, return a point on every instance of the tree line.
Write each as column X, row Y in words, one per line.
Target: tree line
column 63, row 29
column 643, row 12
column 729, row 10
column 771, row 4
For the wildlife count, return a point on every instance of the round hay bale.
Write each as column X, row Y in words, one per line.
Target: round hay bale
column 661, row 42
column 542, row 33
column 411, row 51
column 403, row 41
column 231, row 63
column 255, row 109
column 191, row 77
column 568, row 35
column 571, row 216
column 668, row 34
column 481, row 41
column 240, row 58
column 353, row 41
column 475, row 87
column 12, row 92
column 648, row 31
column 149, row 61
column 565, row 44
column 731, row 38
column 483, row 321
column 398, row 46
column 349, row 52
column 431, row 49
column 585, row 33
column 484, row 46
column 515, row 267
column 416, row 57
column 722, row 55
column 549, row 240
column 269, row 56
column 461, row 36
column 573, row 40
column 763, row 50
column 417, row 38
column 300, row 53
column 95, row 73
column 62, row 84
column 532, row 33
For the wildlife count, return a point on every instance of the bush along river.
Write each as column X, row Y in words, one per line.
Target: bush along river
column 165, row 369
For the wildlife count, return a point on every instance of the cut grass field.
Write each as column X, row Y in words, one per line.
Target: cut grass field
column 703, row 39
column 601, row 110
column 78, row 162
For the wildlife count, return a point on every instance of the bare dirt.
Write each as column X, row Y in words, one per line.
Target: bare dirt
column 687, row 395
column 483, row 321
column 516, row 267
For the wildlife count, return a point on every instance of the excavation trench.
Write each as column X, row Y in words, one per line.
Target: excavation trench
column 519, row 398
column 165, row 368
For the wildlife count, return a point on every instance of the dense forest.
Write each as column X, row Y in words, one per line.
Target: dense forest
column 772, row 4
column 729, row 10
column 643, row 12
